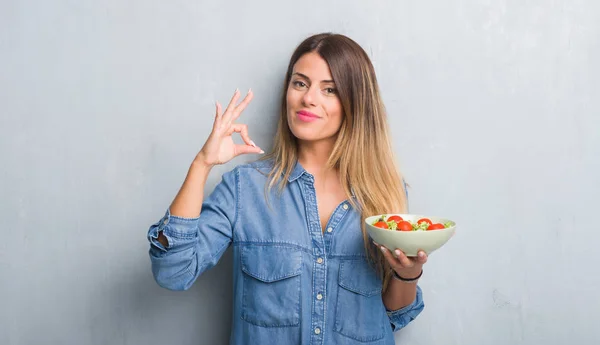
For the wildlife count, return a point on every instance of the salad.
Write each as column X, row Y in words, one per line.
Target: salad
column 399, row 224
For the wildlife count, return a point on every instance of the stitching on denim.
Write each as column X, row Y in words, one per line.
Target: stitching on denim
column 261, row 324
column 356, row 289
column 296, row 271
column 347, row 256
column 237, row 199
column 183, row 219
column 182, row 235
column 337, row 327
column 262, row 278
column 281, row 244
column 244, row 315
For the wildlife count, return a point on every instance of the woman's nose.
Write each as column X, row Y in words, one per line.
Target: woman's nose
column 309, row 98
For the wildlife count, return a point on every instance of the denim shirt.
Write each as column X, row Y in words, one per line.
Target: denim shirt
column 293, row 283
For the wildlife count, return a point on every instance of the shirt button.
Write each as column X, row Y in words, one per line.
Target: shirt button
column 317, row 330
column 320, row 260
column 319, row 297
column 329, row 229
column 345, row 206
column 166, row 221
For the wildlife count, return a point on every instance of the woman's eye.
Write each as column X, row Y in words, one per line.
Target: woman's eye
column 299, row 83
column 330, row 91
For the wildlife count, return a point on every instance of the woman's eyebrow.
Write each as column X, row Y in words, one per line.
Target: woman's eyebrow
column 307, row 78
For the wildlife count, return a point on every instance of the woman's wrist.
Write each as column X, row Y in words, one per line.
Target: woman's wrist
column 408, row 276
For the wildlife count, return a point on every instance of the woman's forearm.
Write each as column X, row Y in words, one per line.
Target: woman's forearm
column 399, row 294
column 188, row 201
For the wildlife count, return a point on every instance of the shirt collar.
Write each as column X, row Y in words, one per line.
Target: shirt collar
column 297, row 172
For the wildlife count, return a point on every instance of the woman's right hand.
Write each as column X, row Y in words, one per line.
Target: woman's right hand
column 219, row 147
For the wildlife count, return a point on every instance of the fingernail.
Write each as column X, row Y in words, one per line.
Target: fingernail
column 249, row 90
column 237, row 90
column 421, row 254
column 397, row 252
column 252, row 143
column 261, row 151
column 383, row 249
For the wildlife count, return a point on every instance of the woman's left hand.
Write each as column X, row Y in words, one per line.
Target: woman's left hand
column 405, row 266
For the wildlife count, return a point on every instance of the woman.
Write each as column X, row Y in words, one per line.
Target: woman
column 305, row 271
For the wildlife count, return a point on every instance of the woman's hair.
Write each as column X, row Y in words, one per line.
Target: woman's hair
column 362, row 151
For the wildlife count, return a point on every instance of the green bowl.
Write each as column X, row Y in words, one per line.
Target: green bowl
column 410, row 242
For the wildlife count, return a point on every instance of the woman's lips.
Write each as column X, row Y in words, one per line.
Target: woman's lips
column 307, row 116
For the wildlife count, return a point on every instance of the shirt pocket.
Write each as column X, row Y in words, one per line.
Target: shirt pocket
column 360, row 313
column 271, row 292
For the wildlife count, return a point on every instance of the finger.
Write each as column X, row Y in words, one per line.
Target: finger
column 422, row 257
column 242, row 106
column 219, row 112
column 218, row 115
column 403, row 259
column 389, row 257
column 243, row 130
column 228, row 111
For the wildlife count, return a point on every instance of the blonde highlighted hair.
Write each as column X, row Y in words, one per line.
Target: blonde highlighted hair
column 362, row 152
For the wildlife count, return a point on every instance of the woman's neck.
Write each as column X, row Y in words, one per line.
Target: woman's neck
column 313, row 157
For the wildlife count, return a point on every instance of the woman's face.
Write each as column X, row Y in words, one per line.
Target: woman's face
column 314, row 109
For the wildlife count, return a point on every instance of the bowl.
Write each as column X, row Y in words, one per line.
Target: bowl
column 410, row 242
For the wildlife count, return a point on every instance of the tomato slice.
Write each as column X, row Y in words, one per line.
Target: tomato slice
column 436, row 226
column 396, row 219
column 381, row 224
column 424, row 220
column 405, row 226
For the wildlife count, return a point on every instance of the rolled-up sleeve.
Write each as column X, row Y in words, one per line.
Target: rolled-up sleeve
column 194, row 244
column 402, row 317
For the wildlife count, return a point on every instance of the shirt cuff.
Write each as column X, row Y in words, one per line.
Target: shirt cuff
column 177, row 230
column 403, row 316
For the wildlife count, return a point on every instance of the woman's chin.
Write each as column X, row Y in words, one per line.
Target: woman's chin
column 304, row 134
column 311, row 136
